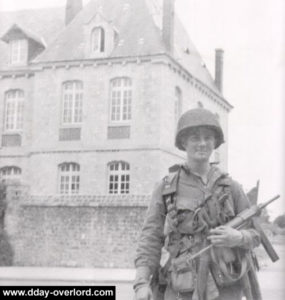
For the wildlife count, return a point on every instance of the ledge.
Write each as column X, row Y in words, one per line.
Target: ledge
column 88, row 200
column 34, row 274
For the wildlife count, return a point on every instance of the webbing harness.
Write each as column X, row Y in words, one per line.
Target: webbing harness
column 214, row 211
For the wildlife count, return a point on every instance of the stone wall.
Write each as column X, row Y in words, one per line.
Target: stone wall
column 151, row 128
column 82, row 231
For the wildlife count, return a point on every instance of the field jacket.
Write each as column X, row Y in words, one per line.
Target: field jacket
column 191, row 192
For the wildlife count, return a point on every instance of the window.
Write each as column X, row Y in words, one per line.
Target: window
column 97, row 40
column 18, row 51
column 121, row 99
column 119, row 178
column 177, row 105
column 14, row 110
column 72, row 102
column 10, row 173
column 69, row 178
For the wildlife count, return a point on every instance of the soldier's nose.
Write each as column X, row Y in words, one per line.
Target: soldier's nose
column 202, row 141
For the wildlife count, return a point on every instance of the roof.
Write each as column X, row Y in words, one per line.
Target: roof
column 188, row 56
column 43, row 23
column 16, row 29
column 137, row 22
column 133, row 24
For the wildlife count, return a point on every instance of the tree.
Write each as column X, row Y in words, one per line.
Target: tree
column 280, row 221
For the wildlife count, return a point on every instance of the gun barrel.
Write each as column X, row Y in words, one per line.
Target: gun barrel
column 262, row 205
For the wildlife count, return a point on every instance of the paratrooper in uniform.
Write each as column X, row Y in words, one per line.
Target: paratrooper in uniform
column 188, row 211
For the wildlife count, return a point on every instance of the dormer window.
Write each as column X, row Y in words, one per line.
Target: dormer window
column 100, row 36
column 18, row 52
column 97, row 40
column 23, row 45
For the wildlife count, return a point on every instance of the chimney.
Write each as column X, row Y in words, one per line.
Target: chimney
column 168, row 24
column 219, row 69
column 72, row 8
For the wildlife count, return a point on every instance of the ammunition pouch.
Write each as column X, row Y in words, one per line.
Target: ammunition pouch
column 182, row 281
column 228, row 266
column 182, row 275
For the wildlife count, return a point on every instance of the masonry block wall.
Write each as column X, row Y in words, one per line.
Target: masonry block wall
column 78, row 236
column 144, row 170
column 26, row 84
column 152, row 127
column 146, row 86
column 75, row 232
column 17, row 156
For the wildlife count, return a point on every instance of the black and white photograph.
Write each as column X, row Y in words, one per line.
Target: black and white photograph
column 142, row 149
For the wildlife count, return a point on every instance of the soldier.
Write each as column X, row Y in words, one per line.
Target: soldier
column 188, row 211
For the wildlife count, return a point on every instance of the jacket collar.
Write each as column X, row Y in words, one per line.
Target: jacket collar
column 214, row 175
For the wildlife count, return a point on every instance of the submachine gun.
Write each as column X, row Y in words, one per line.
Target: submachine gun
column 239, row 222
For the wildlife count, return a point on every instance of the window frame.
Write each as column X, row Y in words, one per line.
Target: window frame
column 17, row 111
column 72, row 174
column 71, row 107
column 121, row 100
column 18, row 51
column 16, row 176
column 99, row 40
column 123, row 176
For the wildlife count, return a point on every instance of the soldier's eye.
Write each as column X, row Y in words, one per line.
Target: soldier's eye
column 194, row 138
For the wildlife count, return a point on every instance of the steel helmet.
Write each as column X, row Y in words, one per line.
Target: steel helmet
column 195, row 118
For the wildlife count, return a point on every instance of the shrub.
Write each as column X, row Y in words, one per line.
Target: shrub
column 6, row 251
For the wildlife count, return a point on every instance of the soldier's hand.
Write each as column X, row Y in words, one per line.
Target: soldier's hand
column 225, row 236
column 144, row 293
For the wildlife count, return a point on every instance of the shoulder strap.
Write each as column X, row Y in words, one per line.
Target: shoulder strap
column 169, row 192
column 170, row 184
column 171, row 181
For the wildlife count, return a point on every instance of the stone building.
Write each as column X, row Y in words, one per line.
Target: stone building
column 89, row 101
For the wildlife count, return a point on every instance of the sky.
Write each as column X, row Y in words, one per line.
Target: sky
column 252, row 35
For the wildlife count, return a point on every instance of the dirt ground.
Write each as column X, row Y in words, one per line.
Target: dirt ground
column 272, row 276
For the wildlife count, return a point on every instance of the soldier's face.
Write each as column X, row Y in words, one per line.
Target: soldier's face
column 199, row 143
